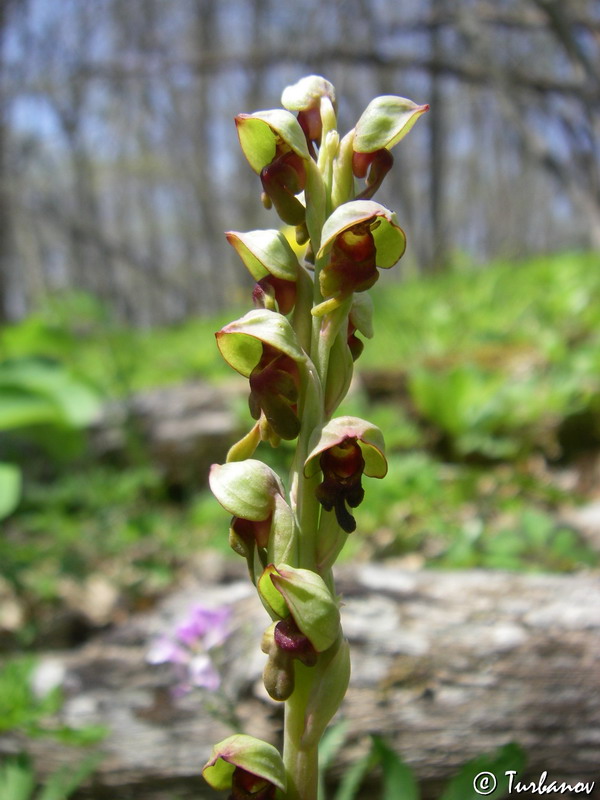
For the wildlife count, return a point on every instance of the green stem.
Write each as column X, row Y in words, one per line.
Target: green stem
column 302, row 767
column 301, row 763
column 301, row 757
column 302, row 490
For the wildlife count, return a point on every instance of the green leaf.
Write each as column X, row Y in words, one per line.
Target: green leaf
column 264, row 253
column 17, row 779
column 10, row 488
column 388, row 236
column 398, row 779
column 350, row 783
column 46, row 392
column 62, row 783
column 330, row 745
column 20, row 709
column 259, row 134
column 461, row 400
column 19, row 408
column 80, row 737
column 490, row 766
column 246, row 488
column 311, row 604
column 250, row 754
column 332, row 742
column 384, row 122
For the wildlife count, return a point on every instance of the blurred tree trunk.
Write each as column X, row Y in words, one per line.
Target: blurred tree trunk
column 207, row 280
column 247, row 198
column 506, row 162
column 6, row 238
column 437, row 141
column 582, row 172
column 72, row 99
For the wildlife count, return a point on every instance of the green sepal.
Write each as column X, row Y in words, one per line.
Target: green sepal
column 246, row 489
column 248, row 753
column 329, row 687
column 261, row 132
column 384, row 122
column 265, row 253
column 271, row 598
column 240, row 342
column 389, row 238
column 367, row 435
column 307, row 93
column 311, row 604
column 282, row 541
column 339, row 373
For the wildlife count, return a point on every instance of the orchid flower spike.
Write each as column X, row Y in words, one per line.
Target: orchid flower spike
column 297, row 350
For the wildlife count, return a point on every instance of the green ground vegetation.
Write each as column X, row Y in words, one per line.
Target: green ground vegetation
column 494, row 402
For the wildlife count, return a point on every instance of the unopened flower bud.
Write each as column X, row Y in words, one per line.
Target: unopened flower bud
column 305, row 97
column 278, row 674
column 290, row 639
column 313, row 608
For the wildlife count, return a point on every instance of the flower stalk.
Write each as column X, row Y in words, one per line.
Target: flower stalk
column 297, row 349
